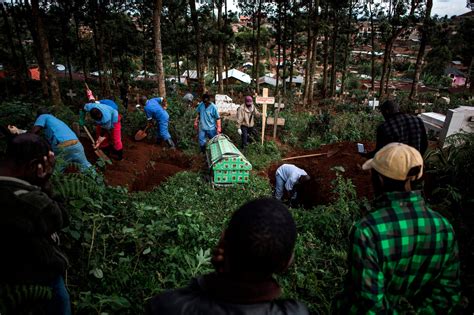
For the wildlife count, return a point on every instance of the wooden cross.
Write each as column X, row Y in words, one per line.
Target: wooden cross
column 298, row 93
column 71, row 94
column 265, row 100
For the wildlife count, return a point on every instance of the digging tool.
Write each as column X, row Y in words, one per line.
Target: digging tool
column 141, row 134
column 97, row 152
column 327, row 154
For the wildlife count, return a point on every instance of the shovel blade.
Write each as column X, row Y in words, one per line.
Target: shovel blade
column 140, row 135
column 102, row 155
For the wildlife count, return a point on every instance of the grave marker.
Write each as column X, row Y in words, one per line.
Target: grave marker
column 264, row 100
column 71, row 94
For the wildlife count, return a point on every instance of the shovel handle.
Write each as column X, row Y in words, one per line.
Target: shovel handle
column 87, row 87
column 89, row 134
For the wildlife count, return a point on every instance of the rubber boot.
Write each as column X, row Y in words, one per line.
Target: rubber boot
column 170, row 144
column 118, row 154
column 203, row 149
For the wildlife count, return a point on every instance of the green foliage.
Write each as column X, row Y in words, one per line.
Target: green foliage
column 453, row 167
column 262, row 156
column 310, row 131
column 18, row 113
column 128, row 247
column 355, row 126
column 133, row 122
column 317, row 274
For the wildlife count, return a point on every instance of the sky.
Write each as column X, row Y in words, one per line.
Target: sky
column 449, row 7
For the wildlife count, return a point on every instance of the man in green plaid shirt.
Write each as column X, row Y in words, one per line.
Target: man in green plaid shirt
column 404, row 255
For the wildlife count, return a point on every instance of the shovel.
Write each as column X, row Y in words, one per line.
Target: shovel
column 141, row 134
column 97, row 152
column 328, row 154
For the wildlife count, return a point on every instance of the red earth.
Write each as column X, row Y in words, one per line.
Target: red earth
column 319, row 190
column 146, row 165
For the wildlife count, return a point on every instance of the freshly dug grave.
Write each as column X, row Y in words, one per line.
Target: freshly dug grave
column 144, row 165
column 319, row 190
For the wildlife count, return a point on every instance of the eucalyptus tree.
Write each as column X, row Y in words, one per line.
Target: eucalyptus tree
column 44, row 57
column 400, row 15
column 425, row 30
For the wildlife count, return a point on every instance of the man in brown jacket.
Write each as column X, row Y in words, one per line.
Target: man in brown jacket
column 246, row 119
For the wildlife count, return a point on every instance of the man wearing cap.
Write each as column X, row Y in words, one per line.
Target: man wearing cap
column 245, row 119
column 403, row 253
column 207, row 122
column 155, row 109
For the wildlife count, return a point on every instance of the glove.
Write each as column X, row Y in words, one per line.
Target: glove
column 98, row 142
column 15, row 131
column 196, row 124
column 239, row 131
column 219, row 127
column 90, row 95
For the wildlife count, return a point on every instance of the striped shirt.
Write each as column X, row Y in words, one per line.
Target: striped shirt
column 403, row 252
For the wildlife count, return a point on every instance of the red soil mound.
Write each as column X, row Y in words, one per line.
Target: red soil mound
column 144, row 165
column 319, row 190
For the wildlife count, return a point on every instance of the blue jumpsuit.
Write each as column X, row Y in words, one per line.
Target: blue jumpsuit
column 154, row 110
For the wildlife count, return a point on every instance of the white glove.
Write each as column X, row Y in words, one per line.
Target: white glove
column 15, row 131
column 239, row 131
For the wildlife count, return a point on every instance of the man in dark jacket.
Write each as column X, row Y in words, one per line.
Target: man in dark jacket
column 400, row 127
column 32, row 267
column 258, row 242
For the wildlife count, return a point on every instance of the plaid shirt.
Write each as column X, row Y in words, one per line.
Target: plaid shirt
column 402, row 128
column 403, row 252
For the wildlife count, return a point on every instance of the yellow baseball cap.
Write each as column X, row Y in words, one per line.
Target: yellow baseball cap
column 395, row 160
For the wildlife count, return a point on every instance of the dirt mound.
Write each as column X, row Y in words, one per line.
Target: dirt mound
column 319, row 190
column 144, row 165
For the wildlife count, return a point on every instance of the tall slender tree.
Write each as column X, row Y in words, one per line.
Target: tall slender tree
column 158, row 49
column 425, row 30
column 44, row 53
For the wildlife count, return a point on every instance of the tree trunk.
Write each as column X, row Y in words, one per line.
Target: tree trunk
column 347, row 49
column 79, row 46
column 257, row 55
column 386, row 59
column 325, row 66
column 199, row 55
column 158, row 50
column 372, row 39
column 17, row 64
column 99, row 49
column 278, row 41
column 389, row 74
column 421, row 51
column 389, row 45
column 22, row 59
column 334, row 51
column 292, row 57
column 314, row 53
column 309, row 53
column 45, row 54
column 226, row 60
column 220, row 50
